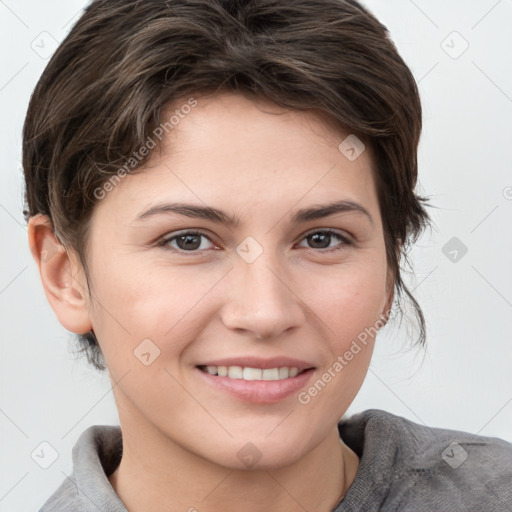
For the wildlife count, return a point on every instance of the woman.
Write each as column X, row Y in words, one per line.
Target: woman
column 219, row 196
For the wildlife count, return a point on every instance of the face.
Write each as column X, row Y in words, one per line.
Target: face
column 178, row 294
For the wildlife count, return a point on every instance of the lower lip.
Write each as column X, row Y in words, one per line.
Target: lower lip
column 259, row 391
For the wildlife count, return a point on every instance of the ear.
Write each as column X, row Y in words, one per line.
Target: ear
column 390, row 289
column 62, row 277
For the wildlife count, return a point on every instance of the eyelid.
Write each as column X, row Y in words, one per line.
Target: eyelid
column 182, row 232
column 342, row 234
column 344, row 238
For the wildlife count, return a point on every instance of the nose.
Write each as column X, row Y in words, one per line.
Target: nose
column 262, row 300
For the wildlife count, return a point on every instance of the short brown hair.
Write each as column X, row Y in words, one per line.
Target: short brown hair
column 105, row 89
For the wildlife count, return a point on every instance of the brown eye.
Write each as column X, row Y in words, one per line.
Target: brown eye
column 323, row 240
column 189, row 241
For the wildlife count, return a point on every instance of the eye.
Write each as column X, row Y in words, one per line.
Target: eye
column 191, row 241
column 186, row 241
column 321, row 240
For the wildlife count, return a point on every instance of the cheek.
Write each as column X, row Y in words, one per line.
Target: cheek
column 135, row 302
column 350, row 306
column 348, row 298
column 161, row 303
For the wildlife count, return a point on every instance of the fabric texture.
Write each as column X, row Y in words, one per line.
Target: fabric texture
column 403, row 466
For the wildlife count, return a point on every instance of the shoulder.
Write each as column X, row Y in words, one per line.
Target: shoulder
column 65, row 498
column 95, row 455
column 429, row 467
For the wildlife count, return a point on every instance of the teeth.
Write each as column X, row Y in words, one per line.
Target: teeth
column 284, row 373
column 235, row 372
column 252, row 374
column 271, row 374
column 247, row 373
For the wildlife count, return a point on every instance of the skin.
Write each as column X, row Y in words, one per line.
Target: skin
column 261, row 163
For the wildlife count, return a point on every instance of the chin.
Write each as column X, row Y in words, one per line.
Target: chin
column 259, row 455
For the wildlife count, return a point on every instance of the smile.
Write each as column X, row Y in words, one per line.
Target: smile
column 248, row 373
column 255, row 380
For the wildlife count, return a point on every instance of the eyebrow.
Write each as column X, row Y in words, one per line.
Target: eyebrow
column 220, row 217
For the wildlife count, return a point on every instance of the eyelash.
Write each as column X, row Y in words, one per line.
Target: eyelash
column 345, row 241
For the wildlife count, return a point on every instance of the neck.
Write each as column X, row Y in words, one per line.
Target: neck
column 180, row 480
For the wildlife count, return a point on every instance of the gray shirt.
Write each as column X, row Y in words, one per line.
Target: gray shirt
column 403, row 466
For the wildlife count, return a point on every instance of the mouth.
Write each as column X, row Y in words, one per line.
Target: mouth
column 251, row 374
column 257, row 381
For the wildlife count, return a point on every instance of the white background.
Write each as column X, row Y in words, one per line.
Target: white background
column 462, row 381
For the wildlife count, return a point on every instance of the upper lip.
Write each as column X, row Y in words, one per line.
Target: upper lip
column 257, row 362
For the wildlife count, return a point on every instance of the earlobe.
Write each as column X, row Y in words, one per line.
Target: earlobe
column 390, row 288
column 389, row 304
column 61, row 276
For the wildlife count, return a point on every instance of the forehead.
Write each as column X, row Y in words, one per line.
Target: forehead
column 228, row 147
column 251, row 119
